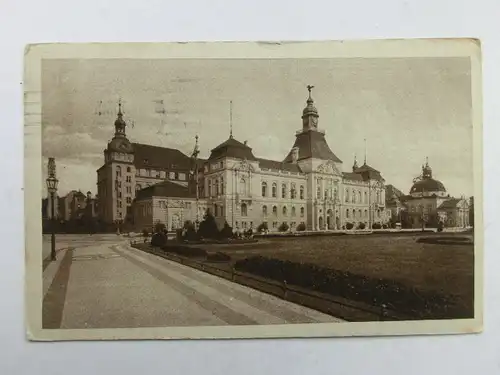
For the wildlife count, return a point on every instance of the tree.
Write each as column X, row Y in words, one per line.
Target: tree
column 208, row 227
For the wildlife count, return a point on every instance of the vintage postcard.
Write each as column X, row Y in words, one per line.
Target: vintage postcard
column 253, row 189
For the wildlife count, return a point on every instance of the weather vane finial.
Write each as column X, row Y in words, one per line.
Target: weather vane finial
column 309, row 88
column 119, row 106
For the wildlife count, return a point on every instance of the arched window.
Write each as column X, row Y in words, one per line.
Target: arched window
column 302, row 211
column 318, row 192
column 283, row 191
column 359, row 197
column 284, row 211
column 347, row 195
column 275, row 190
column 326, row 193
column 366, row 213
column 118, row 171
column 359, row 213
column 347, row 213
column 243, row 187
column 293, row 211
column 128, row 169
column 378, row 196
column 264, row 189
column 216, row 187
column 353, row 196
column 264, row 210
column 209, row 188
column 216, row 210
column 301, row 192
column 244, row 209
column 335, row 193
column 222, row 185
column 275, row 211
column 366, row 197
column 293, row 191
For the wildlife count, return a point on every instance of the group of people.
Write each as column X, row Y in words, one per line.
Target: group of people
column 246, row 234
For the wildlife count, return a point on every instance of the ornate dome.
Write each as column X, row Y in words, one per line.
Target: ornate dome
column 426, row 184
column 310, row 109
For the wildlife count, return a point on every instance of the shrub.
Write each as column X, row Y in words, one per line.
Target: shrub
column 159, row 239
column 283, row 227
column 376, row 226
column 361, row 226
column 349, row 226
column 145, row 233
column 208, row 227
column 159, row 227
column 187, row 251
column 385, row 226
column 262, row 227
column 301, row 227
column 218, row 257
column 226, row 232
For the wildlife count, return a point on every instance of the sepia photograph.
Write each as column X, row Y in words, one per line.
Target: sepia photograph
column 246, row 190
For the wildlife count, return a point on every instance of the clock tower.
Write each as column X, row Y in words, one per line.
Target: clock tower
column 116, row 178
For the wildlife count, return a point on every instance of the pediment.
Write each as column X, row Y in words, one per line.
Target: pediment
column 328, row 168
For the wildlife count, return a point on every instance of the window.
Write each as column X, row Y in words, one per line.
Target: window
column 366, row 197
column 128, row 169
column 347, row 213
column 366, row 213
column 221, row 210
column 243, row 187
column 182, row 176
column 293, row 211
column 216, row 210
column 275, row 211
column 274, row 190
column 283, row 191
column 264, row 189
column 222, row 185
column 129, row 179
column 244, row 209
column 359, row 213
column 216, row 187
column 284, row 211
column 209, row 188
column 129, row 189
column 158, row 174
column 301, row 192
column 221, row 164
column 129, row 200
column 264, row 210
column 302, row 211
column 119, row 204
column 318, row 193
column 171, row 175
column 335, row 193
column 293, row 192
column 162, row 174
column 359, row 196
column 353, row 198
column 119, row 194
column 148, row 172
column 347, row 195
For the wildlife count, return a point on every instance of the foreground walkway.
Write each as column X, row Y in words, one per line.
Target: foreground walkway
column 104, row 285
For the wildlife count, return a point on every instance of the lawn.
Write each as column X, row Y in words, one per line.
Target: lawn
column 445, row 269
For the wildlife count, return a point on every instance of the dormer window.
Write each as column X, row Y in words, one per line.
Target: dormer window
column 146, row 161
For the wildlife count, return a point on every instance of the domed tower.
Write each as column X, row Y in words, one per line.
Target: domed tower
column 116, row 178
column 425, row 185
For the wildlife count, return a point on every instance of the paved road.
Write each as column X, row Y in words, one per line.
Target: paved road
column 104, row 283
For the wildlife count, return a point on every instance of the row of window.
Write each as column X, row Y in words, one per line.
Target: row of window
column 358, row 214
column 284, row 191
column 284, row 211
column 354, row 196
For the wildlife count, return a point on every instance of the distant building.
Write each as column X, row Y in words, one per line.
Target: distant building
column 427, row 204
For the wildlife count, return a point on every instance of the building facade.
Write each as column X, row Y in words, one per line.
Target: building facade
column 307, row 187
column 428, row 204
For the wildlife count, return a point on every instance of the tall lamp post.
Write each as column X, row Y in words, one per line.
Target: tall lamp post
column 52, row 189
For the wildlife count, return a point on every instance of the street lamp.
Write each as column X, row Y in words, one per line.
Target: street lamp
column 52, row 189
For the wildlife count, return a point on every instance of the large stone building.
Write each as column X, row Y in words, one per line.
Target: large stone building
column 427, row 204
column 308, row 186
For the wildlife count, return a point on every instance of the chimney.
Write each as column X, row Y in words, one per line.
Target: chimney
column 295, row 154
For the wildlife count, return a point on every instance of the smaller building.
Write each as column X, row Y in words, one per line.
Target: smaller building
column 169, row 203
column 427, row 205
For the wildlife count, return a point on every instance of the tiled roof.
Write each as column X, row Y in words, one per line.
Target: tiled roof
column 449, row 203
column 147, row 156
column 167, row 189
column 369, row 173
column 352, row 176
column 312, row 144
column 233, row 149
column 391, row 190
column 278, row 165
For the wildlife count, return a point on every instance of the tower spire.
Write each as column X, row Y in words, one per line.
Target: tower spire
column 231, row 119
column 365, row 150
column 355, row 165
column 120, row 107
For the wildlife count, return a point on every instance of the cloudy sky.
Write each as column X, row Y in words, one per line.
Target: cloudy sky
column 407, row 109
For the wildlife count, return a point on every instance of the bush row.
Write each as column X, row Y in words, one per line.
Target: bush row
column 376, row 292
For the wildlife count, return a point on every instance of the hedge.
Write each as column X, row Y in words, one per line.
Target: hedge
column 376, row 292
